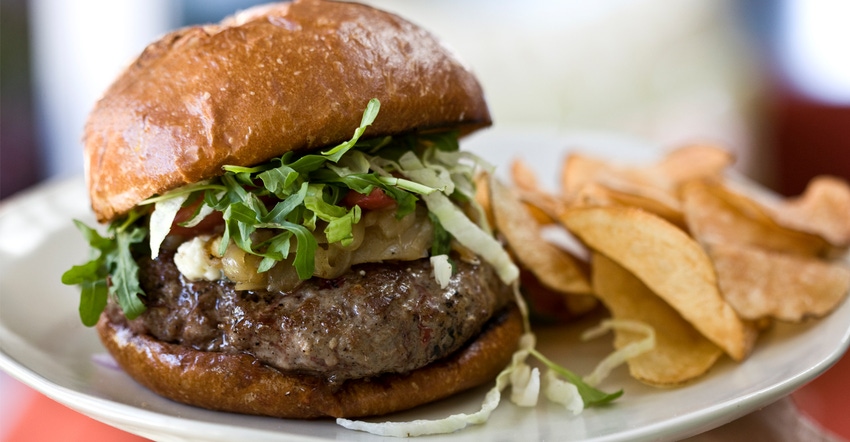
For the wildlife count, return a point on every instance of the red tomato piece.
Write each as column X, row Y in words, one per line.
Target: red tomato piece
column 210, row 224
column 377, row 199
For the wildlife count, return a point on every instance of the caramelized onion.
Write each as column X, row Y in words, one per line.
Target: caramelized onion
column 241, row 268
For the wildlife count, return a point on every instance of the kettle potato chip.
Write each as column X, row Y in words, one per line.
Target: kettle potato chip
column 664, row 177
column 670, row 263
column 707, row 260
column 653, row 201
column 697, row 161
column 823, row 209
column 681, row 353
column 760, row 283
column 555, row 268
column 541, row 204
column 716, row 214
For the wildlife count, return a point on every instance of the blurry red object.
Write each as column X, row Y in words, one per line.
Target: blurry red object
column 811, row 138
column 827, row 398
column 46, row 420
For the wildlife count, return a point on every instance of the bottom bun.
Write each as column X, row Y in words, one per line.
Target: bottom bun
column 239, row 383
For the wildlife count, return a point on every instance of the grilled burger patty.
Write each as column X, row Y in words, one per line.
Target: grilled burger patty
column 377, row 318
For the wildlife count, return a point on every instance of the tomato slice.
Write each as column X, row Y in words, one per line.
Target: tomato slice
column 377, row 199
column 212, row 223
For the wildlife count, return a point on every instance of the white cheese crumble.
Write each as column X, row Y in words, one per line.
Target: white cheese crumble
column 194, row 261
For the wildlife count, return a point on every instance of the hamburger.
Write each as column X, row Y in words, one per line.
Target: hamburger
column 292, row 229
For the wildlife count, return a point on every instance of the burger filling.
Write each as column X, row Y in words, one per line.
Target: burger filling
column 379, row 236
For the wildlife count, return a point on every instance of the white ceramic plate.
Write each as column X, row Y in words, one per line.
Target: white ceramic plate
column 43, row 344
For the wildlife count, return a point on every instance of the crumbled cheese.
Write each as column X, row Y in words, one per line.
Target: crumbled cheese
column 194, row 261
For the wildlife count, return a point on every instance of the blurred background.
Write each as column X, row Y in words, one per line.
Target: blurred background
column 770, row 80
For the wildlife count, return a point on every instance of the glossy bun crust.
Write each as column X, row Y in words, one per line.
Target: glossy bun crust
column 273, row 79
column 241, row 384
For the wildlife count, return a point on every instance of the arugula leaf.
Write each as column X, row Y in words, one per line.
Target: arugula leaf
column 125, row 273
column 307, row 163
column 248, row 170
column 369, row 115
column 187, row 189
column 283, row 209
column 239, row 223
column 111, row 257
column 589, row 395
column 280, row 180
column 340, row 220
column 277, row 249
column 93, row 298
column 305, row 249
column 82, row 273
column 96, row 241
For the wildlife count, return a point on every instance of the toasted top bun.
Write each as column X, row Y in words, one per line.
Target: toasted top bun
column 273, row 79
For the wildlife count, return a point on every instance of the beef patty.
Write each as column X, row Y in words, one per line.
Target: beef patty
column 390, row 317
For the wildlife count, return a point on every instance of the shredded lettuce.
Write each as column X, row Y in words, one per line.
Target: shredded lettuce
column 589, row 395
column 470, row 235
column 436, row 176
column 454, row 422
column 525, row 384
column 561, row 392
column 619, row 356
column 161, row 220
column 442, row 269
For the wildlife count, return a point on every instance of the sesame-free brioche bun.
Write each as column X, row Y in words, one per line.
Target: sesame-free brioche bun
column 273, row 79
column 239, row 383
